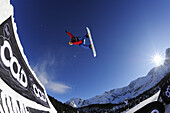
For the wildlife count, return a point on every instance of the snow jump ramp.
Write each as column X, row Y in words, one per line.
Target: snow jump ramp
column 20, row 90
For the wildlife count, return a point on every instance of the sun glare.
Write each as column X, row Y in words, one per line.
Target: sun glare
column 157, row 59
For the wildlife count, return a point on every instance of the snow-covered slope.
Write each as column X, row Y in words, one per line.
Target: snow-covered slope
column 134, row 89
column 75, row 102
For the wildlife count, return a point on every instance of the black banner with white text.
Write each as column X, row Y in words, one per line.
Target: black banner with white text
column 15, row 72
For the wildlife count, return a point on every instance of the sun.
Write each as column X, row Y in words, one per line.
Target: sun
column 157, row 59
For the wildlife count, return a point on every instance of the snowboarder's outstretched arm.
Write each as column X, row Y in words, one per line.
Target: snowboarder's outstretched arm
column 77, row 43
column 71, row 36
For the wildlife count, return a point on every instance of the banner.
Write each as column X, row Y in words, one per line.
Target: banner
column 17, row 76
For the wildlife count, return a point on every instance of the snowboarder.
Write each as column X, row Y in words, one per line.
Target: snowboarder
column 81, row 41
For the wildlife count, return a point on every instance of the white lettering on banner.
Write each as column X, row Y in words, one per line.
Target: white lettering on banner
column 6, row 61
column 16, row 70
column 6, row 30
column 12, row 63
column 9, row 105
column 168, row 91
column 38, row 93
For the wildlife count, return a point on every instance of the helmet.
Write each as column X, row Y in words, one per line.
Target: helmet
column 70, row 43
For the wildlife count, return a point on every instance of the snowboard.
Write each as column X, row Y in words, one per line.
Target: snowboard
column 91, row 41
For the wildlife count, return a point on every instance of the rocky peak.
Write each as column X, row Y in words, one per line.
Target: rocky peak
column 167, row 57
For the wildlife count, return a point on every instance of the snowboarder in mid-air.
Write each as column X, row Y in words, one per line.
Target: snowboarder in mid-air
column 81, row 41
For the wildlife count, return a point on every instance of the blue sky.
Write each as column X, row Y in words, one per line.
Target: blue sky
column 126, row 35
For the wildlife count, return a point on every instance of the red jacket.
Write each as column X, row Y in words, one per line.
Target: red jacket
column 78, row 42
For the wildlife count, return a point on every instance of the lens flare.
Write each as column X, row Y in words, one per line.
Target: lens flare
column 157, row 59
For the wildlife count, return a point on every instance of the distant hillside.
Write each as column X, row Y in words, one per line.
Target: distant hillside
column 111, row 108
column 60, row 107
column 118, row 108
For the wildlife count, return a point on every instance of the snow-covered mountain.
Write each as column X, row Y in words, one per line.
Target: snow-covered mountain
column 134, row 89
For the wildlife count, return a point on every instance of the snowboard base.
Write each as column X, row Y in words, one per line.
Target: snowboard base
column 91, row 41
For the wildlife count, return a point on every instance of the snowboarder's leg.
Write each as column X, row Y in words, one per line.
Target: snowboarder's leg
column 83, row 37
column 84, row 41
column 85, row 46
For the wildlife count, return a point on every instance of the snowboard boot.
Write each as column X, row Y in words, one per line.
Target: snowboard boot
column 87, row 35
column 90, row 46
